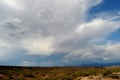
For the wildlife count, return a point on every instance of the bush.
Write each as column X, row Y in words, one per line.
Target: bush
column 29, row 75
column 65, row 77
column 84, row 74
column 106, row 73
column 113, row 76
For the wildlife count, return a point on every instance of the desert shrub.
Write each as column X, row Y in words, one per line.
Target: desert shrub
column 77, row 78
column 93, row 72
column 29, row 75
column 1, row 76
column 114, row 76
column 106, row 73
column 66, row 77
column 5, row 72
column 11, row 77
column 84, row 74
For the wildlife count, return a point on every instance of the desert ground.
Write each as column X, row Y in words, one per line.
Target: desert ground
column 59, row 73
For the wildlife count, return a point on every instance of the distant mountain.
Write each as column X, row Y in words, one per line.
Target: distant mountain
column 96, row 64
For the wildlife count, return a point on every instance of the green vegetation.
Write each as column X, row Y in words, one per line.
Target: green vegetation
column 107, row 72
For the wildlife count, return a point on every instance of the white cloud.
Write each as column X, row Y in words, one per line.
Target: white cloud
column 119, row 12
column 113, row 49
column 88, row 34
column 15, row 4
column 56, row 18
column 88, row 55
column 106, row 58
column 106, row 52
column 39, row 45
column 6, row 50
column 84, row 54
column 47, row 63
column 27, row 63
column 74, row 55
column 33, row 63
column 97, row 28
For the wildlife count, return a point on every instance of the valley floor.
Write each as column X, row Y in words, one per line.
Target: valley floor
column 59, row 73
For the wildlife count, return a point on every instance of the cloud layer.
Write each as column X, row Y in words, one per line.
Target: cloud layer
column 56, row 27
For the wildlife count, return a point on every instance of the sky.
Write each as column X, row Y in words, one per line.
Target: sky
column 59, row 32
